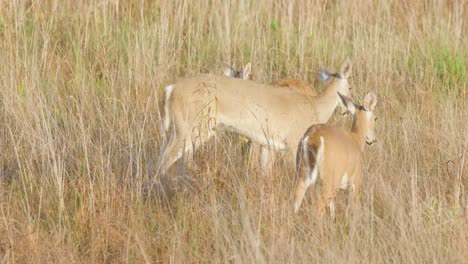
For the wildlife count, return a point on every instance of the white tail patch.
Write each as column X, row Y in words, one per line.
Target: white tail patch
column 167, row 95
column 311, row 177
column 305, row 151
column 320, row 152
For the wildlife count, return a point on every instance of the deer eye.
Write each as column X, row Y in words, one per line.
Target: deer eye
column 375, row 119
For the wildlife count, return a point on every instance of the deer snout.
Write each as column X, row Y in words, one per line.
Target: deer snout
column 370, row 141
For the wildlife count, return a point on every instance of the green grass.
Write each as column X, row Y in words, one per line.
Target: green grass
column 449, row 67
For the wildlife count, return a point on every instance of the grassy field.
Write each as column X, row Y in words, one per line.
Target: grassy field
column 80, row 93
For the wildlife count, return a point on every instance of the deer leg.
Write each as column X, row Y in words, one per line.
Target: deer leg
column 266, row 161
column 331, row 206
column 187, row 141
column 327, row 200
column 301, row 189
column 254, row 154
column 356, row 195
column 178, row 145
column 356, row 186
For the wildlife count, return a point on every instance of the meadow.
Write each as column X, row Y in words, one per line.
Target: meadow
column 81, row 86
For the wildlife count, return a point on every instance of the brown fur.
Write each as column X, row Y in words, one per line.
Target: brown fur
column 342, row 155
column 297, row 85
column 256, row 151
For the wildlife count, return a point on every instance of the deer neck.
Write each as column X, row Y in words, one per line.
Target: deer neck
column 327, row 102
column 359, row 135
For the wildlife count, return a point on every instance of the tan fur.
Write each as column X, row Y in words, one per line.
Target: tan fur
column 297, row 85
column 256, row 151
column 272, row 116
column 342, row 155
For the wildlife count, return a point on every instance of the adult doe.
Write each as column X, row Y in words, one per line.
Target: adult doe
column 272, row 116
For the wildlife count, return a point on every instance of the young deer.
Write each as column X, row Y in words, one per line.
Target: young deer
column 272, row 116
column 256, row 150
column 335, row 155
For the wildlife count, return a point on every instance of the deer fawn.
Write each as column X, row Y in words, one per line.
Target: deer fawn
column 271, row 116
column 335, row 155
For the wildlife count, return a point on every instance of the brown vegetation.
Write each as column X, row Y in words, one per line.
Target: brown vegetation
column 80, row 90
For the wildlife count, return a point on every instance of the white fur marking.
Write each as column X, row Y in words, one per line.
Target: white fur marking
column 312, row 177
column 167, row 93
column 332, row 210
column 305, row 151
column 225, row 121
column 320, row 152
column 276, row 145
column 265, row 158
column 344, row 182
column 369, row 115
column 228, row 71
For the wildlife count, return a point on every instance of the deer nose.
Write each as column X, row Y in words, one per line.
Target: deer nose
column 371, row 141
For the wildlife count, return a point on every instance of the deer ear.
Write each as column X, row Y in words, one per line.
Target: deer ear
column 324, row 75
column 350, row 106
column 228, row 71
column 247, row 71
column 345, row 69
column 370, row 101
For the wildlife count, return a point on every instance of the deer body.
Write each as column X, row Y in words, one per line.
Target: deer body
column 297, row 85
column 256, row 150
column 334, row 155
column 267, row 156
column 274, row 117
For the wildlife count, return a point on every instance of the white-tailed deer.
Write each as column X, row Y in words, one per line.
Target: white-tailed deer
column 256, row 150
column 272, row 116
column 334, row 155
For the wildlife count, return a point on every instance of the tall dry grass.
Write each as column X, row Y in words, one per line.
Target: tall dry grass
column 80, row 89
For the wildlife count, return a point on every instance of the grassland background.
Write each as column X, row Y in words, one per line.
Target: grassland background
column 80, row 93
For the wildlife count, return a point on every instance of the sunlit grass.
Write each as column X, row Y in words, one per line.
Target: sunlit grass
column 81, row 85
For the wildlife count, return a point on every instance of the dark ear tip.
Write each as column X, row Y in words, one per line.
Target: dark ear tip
column 342, row 98
column 340, row 95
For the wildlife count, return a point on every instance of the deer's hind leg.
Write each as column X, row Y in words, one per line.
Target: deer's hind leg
column 308, row 163
column 187, row 136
